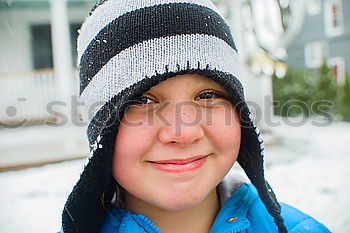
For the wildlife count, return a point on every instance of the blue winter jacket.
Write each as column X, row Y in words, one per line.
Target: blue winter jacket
column 242, row 212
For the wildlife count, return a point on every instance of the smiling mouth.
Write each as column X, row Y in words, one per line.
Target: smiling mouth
column 179, row 165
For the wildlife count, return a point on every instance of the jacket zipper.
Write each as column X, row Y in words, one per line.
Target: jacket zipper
column 237, row 230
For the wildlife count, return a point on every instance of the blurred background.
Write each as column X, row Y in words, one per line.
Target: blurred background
column 294, row 58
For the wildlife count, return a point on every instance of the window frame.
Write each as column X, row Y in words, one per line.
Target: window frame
column 320, row 48
column 340, row 63
column 329, row 28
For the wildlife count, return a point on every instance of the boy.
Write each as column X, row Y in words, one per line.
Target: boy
column 162, row 165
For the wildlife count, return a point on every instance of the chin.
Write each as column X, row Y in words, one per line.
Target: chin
column 179, row 204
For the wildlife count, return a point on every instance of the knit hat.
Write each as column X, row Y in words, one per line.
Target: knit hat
column 125, row 47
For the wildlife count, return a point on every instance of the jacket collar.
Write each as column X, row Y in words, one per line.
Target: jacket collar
column 232, row 216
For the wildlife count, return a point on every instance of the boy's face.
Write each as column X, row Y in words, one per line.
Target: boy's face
column 173, row 150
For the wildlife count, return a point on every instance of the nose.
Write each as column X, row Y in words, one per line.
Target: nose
column 183, row 124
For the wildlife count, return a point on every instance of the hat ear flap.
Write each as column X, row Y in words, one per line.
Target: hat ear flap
column 96, row 187
column 251, row 159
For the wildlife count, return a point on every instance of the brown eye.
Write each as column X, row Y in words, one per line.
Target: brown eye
column 210, row 95
column 144, row 100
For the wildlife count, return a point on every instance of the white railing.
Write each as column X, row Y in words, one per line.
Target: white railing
column 24, row 97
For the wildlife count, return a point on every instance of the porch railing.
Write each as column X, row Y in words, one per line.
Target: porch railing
column 25, row 97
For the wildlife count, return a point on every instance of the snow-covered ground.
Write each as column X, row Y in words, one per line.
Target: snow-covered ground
column 308, row 168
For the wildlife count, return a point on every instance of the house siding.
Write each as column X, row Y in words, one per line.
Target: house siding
column 346, row 15
column 313, row 29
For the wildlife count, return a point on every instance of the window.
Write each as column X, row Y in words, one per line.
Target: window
column 42, row 47
column 314, row 7
column 337, row 64
column 315, row 52
column 333, row 17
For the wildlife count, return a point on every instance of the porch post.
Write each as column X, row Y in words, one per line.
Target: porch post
column 62, row 57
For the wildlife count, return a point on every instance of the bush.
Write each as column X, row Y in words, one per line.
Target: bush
column 324, row 93
column 292, row 93
column 304, row 92
column 344, row 100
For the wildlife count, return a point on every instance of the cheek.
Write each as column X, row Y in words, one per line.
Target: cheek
column 225, row 131
column 131, row 132
column 128, row 154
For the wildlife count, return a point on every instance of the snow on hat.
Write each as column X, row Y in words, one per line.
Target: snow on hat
column 125, row 47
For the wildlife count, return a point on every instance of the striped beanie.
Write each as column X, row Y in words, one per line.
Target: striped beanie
column 125, row 47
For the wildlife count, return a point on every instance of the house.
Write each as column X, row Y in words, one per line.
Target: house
column 325, row 35
column 27, row 78
column 37, row 67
